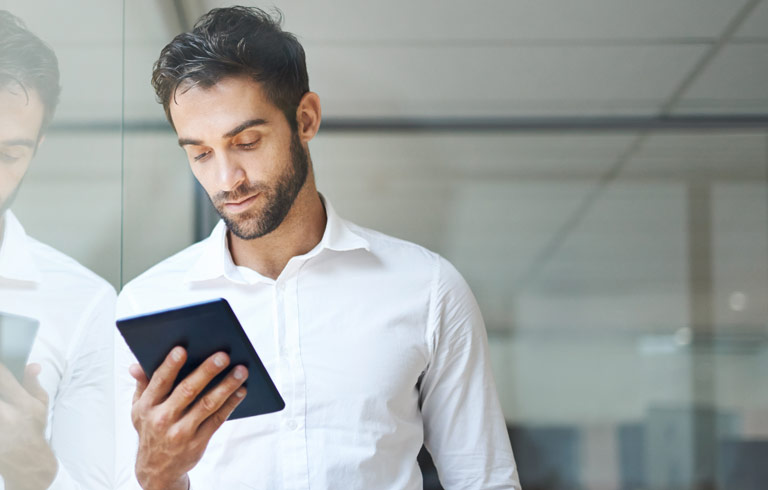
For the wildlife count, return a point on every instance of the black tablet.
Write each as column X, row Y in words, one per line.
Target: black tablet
column 17, row 334
column 202, row 329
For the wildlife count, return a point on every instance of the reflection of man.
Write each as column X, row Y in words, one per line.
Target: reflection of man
column 376, row 344
column 55, row 425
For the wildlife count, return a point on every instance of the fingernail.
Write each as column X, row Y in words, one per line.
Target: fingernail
column 219, row 360
column 240, row 393
column 239, row 374
column 176, row 354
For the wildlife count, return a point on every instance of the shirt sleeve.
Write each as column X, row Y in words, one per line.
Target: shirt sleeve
column 464, row 427
column 81, row 430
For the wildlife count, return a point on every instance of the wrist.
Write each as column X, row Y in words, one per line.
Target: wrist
column 181, row 483
column 35, row 470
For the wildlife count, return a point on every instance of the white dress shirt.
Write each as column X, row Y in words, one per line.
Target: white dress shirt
column 75, row 311
column 376, row 346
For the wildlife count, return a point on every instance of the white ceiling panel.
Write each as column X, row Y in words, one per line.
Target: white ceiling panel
column 405, row 21
column 627, row 254
column 707, row 155
column 735, row 82
column 498, row 81
column 756, row 25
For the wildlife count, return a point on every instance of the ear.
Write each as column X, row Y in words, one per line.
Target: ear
column 308, row 116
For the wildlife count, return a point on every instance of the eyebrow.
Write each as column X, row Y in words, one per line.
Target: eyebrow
column 19, row 142
column 240, row 128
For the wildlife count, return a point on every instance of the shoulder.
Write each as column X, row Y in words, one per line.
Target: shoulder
column 62, row 271
column 391, row 248
column 411, row 256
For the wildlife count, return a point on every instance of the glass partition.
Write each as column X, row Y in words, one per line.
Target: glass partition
column 60, row 226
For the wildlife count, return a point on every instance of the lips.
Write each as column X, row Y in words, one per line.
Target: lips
column 237, row 206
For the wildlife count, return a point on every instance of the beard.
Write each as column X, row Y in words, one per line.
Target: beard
column 279, row 198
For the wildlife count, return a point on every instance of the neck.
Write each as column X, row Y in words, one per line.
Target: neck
column 301, row 230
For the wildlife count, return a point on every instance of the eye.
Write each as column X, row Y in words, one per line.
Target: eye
column 201, row 156
column 7, row 157
column 248, row 145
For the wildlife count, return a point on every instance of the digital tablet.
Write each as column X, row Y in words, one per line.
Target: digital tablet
column 17, row 333
column 202, row 329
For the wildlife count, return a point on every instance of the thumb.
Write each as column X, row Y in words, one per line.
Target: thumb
column 32, row 384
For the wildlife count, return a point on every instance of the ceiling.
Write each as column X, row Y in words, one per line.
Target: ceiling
column 447, row 58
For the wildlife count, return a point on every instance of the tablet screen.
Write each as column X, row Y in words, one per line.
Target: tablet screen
column 17, row 333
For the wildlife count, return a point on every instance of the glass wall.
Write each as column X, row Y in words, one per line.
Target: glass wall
column 597, row 171
column 60, row 227
column 622, row 292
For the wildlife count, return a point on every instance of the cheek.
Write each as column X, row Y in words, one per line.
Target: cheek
column 10, row 176
column 201, row 177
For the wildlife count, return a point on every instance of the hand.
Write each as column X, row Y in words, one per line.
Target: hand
column 173, row 428
column 26, row 460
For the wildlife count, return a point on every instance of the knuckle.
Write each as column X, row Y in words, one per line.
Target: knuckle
column 176, row 434
column 208, row 404
column 220, row 417
column 186, row 390
column 159, row 378
column 159, row 419
column 135, row 419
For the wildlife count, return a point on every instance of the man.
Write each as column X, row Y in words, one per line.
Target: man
column 375, row 344
column 56, row 427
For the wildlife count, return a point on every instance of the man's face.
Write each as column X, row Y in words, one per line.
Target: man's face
column 21, row 117
column 242, row 151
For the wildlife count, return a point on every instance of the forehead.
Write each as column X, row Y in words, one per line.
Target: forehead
column 196, row 110
column 21, row 113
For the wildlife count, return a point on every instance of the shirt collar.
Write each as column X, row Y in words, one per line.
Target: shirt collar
column 215, row 260
column 16, row 261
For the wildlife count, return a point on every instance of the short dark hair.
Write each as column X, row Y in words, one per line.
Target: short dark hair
column 27, row 61
column 235, row 41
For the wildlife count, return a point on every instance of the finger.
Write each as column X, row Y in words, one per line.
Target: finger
column 10, row 389
column 190, row 387
column 162, row 379
column 137, row 373
column 215, row 398
column 213, row 422
column 32, row 384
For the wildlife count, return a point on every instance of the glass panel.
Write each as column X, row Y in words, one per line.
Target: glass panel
column 59, row 240
column 625, row 314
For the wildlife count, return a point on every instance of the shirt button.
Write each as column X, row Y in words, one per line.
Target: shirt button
column 291, row 424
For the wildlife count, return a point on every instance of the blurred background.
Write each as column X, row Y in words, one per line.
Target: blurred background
column 596, row 169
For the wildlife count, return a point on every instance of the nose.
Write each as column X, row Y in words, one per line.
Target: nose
column 231, row 173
